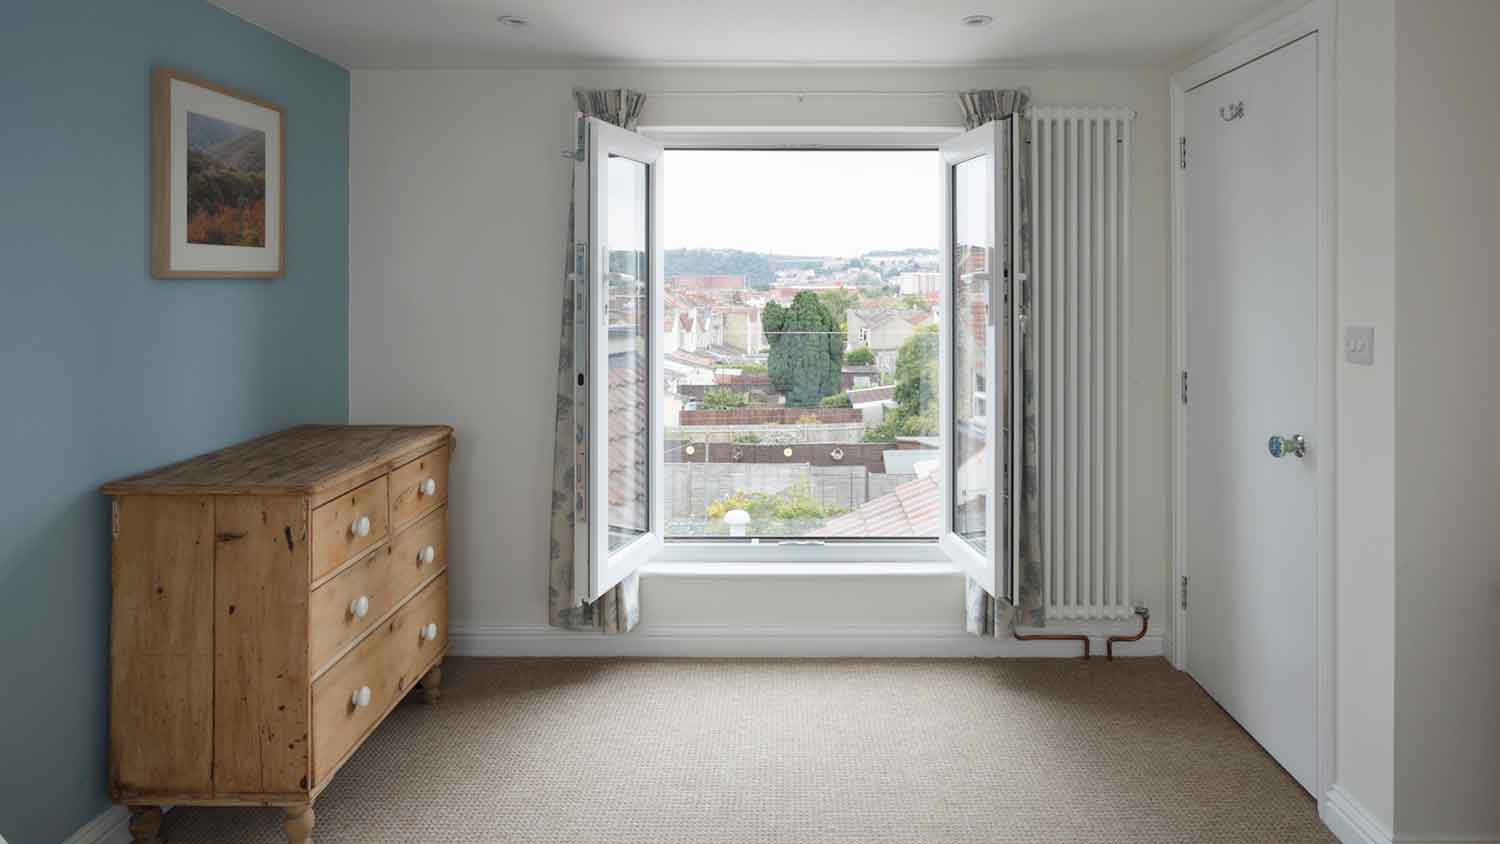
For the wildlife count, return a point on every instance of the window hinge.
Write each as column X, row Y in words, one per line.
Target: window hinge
column 1182, row 153
column 1184, row 593
column 1184, row 386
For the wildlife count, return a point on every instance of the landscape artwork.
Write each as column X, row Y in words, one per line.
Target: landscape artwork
column 218, row 181
column 226, row 182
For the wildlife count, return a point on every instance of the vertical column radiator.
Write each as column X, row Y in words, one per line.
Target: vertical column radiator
column 1080, row 181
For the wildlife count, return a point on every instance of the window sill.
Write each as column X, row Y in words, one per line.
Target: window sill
column 800, row 569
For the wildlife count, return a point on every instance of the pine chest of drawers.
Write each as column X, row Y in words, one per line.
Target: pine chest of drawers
column 272, row 602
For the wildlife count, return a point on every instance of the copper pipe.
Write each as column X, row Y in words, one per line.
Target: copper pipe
column 1054, row 637
column 1109, row 644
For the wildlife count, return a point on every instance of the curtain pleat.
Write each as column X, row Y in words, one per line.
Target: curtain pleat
column 985, row 614
column 619, row 609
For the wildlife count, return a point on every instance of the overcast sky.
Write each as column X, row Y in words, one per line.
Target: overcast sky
column 801, row 202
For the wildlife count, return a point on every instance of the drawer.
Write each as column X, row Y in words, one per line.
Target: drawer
column 339, row 530
column 383, row 580
column 387, row 663
column 419, row 487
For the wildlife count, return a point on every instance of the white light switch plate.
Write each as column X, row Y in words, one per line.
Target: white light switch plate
column 1359, row 344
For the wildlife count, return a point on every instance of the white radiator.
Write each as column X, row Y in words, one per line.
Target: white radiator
column 1080, row 181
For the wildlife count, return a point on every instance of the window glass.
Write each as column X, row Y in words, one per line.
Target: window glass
column 973, row 256
column 628, row 319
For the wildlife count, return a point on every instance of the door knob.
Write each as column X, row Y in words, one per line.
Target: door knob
column 1293, row 444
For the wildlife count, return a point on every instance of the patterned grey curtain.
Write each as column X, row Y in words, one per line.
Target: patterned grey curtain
column 985, row 615
column 618, row 610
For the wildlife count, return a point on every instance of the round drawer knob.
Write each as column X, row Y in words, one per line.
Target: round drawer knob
column 428, row 487
column 429, row 633
column 428, row 555
column 360, row 607
column 360, row 526
column 360, row 698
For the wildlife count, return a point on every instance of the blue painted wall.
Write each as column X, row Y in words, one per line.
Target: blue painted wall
column 105, row 371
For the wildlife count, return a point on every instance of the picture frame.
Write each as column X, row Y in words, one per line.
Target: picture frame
column 218, row 177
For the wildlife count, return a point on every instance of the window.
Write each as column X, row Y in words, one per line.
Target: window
column 788, row 296
column 811, row 346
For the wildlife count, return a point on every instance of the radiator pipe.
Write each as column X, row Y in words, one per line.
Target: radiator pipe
column 1052, row 637
column 1109, row 644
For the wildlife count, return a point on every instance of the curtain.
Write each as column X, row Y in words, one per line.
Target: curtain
column 619, row 609
column 986, row 615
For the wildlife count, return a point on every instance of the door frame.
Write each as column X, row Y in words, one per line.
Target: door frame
column 1318, row 16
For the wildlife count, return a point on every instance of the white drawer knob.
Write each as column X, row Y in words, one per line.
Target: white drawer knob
column 360, row 698
column 428, row 555
column 360, row 526
column 428, row 487
column 429, row 633
column 360, row 607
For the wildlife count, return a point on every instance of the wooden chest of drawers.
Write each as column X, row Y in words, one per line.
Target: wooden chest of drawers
column 272, row 602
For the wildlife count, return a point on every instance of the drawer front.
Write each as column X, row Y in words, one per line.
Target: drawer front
column 345, row 607
column 340, row 531
column 387, row 663
column 419, row 487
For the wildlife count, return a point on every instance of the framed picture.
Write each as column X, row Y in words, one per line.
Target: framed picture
column 218, row 181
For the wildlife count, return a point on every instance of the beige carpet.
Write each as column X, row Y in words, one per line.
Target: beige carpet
column 621, row 751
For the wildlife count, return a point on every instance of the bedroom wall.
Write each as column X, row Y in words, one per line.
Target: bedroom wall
column 460, row 200
column 106, row 371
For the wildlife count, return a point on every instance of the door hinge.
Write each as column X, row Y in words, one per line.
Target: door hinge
column 1182, row 153
column 1184, row 592
column 1184, row 386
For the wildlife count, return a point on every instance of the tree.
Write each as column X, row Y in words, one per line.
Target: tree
column 916, row 394
column 806, row 355
column 838, row 303
column 837, row 400
column 861, row 356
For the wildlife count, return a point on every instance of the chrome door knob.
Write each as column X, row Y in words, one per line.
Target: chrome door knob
column 1293, row 444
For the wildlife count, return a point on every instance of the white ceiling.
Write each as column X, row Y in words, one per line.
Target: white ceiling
column 571, row 33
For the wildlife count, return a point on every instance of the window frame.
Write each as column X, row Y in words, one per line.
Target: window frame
column 599, row 570
column 838, row 554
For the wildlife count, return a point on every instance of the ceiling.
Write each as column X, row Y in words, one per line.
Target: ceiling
column 575, row 33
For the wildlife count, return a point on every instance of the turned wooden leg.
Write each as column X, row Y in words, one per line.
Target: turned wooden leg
column 145, row 825
column 299, row 824
column 432, row 683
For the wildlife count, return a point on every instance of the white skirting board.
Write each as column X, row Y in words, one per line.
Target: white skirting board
column 112, row 827
column 694, row 640
column 1352, row 823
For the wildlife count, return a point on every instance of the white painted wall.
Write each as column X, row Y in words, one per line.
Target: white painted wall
column 1447, row 468
column 458, row 216
column 1365, row 467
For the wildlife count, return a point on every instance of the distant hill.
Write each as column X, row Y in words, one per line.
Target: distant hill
column 231, row 145
column 204, row 131
column 754, row 266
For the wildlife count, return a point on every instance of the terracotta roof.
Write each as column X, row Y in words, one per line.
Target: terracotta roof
column 912, row 509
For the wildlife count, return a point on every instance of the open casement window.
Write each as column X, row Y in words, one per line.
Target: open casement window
column 618, row 267
column 979, row 399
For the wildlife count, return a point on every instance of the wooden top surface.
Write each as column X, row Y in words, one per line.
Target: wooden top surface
column 303, row 460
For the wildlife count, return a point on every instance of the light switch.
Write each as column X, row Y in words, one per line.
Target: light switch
column 1359, row 344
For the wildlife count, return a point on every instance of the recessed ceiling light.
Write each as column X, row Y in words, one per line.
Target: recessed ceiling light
column 513, row 20
column 977, row 20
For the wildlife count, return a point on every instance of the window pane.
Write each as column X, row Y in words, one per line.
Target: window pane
column 628, row 317
column 973, row 254
column 800, row 344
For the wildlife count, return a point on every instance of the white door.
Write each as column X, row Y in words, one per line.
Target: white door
column 1251, row 295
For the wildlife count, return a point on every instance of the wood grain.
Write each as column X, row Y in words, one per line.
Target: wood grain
column 260, row 644
column 161, row 645
column 334, row 543
column 386, row 578
column 389, row 661
column 408, row 501
column 323, row 461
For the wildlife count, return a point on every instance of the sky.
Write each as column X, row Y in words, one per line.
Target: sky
column 801, row 202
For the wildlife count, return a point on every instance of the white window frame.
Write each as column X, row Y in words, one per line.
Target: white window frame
column 600, row 569
column 841, row 557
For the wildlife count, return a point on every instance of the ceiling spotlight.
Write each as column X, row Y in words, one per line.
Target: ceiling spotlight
column 512, row 20
column 977, row 20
